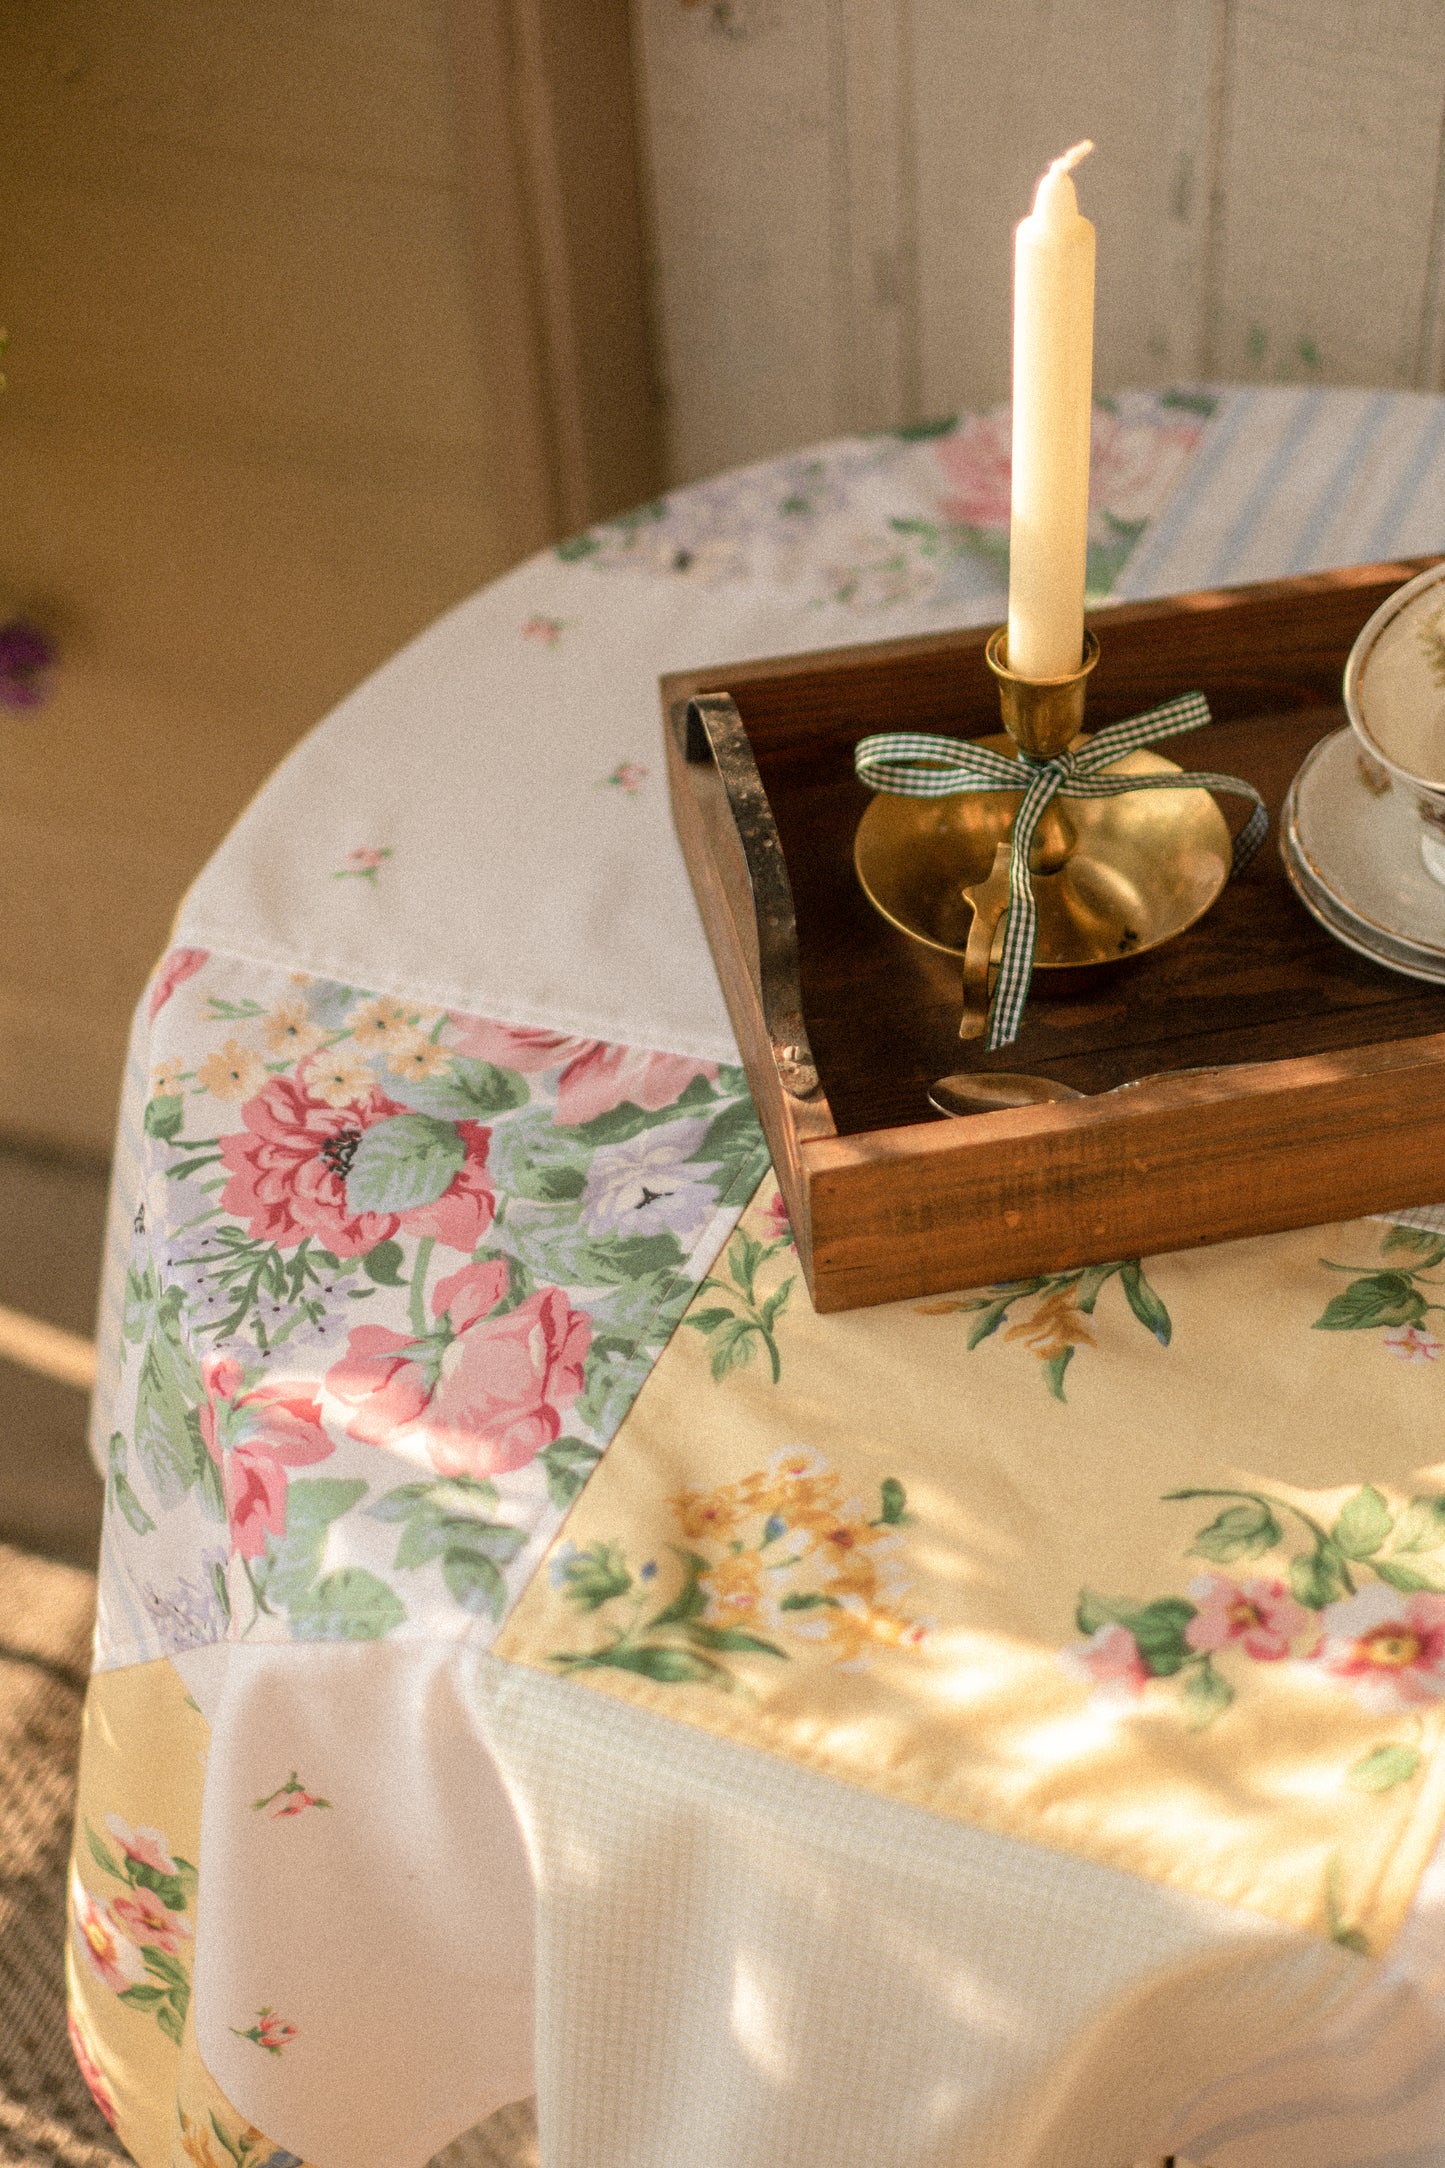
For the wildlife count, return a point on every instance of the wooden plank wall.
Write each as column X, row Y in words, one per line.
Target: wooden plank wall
column 834, row 184
column 290, row 287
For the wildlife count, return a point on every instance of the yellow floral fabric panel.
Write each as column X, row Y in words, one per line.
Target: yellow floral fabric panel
column 1143, row 1563
column 133, row 1922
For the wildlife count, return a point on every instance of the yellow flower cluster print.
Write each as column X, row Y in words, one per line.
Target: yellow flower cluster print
column 780, row 1557
column 1063, row 1306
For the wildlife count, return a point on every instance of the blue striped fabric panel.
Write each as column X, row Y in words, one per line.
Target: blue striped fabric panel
column 1293, row 480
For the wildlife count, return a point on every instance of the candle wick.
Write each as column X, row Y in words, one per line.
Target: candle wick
column 1072, row 158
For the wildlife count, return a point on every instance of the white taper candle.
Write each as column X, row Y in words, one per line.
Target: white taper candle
column 1053, row 376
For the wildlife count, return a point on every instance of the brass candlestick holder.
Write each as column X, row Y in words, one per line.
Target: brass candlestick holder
column 1112, row 877
column 1042, row 715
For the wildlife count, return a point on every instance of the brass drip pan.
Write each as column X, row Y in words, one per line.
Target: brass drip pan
column 1139, row 868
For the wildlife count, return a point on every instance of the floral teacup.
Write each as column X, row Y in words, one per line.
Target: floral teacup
column 1395, row 699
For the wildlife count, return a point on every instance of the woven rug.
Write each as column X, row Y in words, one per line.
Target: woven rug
column 46, row 2114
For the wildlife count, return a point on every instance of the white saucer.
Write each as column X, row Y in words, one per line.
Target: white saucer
column 1355, row 831
column 1369, row 939
column 1378, row 948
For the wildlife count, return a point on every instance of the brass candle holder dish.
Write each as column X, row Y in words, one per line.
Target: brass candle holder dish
column 1112, row 877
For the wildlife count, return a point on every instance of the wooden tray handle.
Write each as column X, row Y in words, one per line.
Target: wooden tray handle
column 713, row 731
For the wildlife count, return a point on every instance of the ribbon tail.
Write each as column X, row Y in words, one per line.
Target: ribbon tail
column 1016, row 963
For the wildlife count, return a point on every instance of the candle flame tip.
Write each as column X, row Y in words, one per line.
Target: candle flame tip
column 1072, row 157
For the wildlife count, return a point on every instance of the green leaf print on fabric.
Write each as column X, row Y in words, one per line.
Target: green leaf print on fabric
column 533, row 1160
column 474, row 1091
column 448, row 1522
column 142, row 1293
column 1421, row 1525
column 1244, row 1531
column 382, row 1265
column 167, row 1422
column 893, row 1504
column 1340, row 1930
column 165, row 1995
column 1421, row 1574
column 1205, row 1695
column 1319, row 1577
column 1363, row 1524
column 1383, row 1298
column 1058, row 1324
column 287, row 1570
column 593, row 1577
column 1109, row 552
column 568, row 1462
column 165, row 1116
column 744, row 1321
column 920, row 432
column 1394, row 1299
column 119, row 1491
column 403, row 1161
column 348, row 1605
column 1385, row 1767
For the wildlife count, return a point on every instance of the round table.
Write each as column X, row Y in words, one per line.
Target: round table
column 535, row 1653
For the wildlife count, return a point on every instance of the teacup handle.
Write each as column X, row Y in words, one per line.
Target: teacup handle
column 990, row 900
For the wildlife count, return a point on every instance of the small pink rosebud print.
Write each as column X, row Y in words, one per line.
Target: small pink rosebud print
column 289, row 1798
column 628, row 777
column 270, row 2032
column 363, row 864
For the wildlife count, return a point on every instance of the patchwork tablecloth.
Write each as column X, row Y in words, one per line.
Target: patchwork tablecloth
column 536, row 1651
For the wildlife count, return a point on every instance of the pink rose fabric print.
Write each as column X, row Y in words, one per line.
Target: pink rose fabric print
column 396, row 1275
column 484, row 1391
column 134, row 1930
column 254, row 1439
column 945, row 540
column 1142, row 442
column 291, row 1170
column 1348, row 1598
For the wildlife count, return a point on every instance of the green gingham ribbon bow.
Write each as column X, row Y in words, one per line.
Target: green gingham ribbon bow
column 915, row 764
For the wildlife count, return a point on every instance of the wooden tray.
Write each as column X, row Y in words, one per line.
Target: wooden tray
column 1324, row 1095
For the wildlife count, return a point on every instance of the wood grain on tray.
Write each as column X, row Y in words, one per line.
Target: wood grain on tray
column 1331, row 1099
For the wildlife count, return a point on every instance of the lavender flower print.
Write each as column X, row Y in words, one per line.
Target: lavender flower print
column 192, row 1612
column 651, row 1185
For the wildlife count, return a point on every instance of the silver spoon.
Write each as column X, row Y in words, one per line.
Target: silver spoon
column 967, row 1093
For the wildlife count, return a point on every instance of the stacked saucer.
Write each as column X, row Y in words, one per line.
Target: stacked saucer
column 1349, row 834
